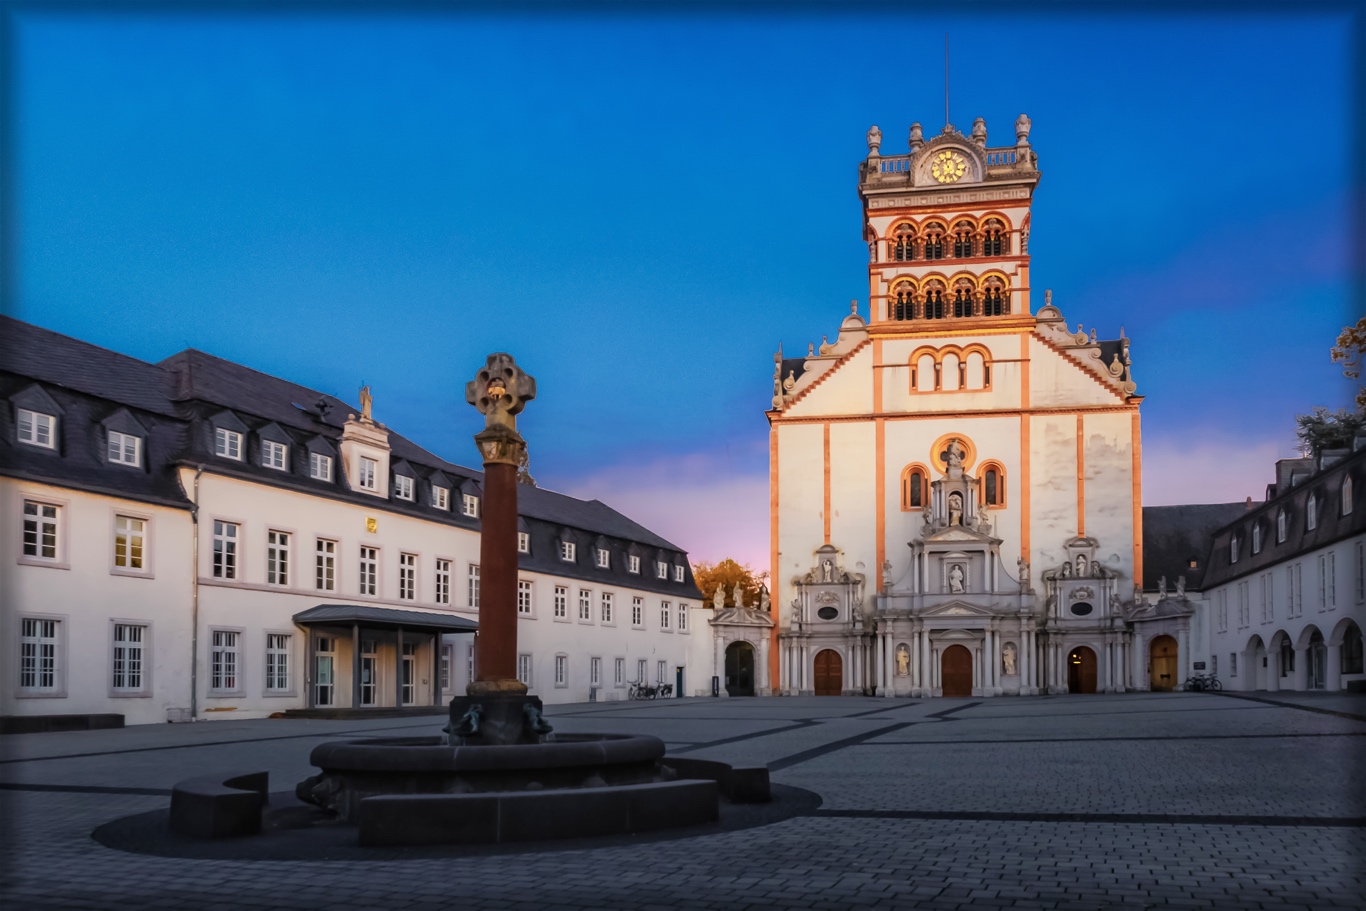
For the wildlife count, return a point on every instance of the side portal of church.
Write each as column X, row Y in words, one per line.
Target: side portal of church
column 955, row 481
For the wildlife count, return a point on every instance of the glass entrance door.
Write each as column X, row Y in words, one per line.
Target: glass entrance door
column 324, row 683
column 408, row 696
column 369, row 672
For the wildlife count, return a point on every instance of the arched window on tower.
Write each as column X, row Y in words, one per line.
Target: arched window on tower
column 903, row 301
column 914, row 487
column 934, row 300
column 995, row 298
column 903, row 244
column 933, row 241
column 992, row 478
column 963, row 239
column 962, row 297
column 995, row 240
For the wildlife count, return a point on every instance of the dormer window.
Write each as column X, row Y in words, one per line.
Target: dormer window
column 1233, row 549
column 1281, row 526
column 633, row 564
column 1311, row 513
column 125, row 449
column 1257, row 538
column 403, row 487
column 319, row 466
column 568, row 551
column 604, row 558
column 469, row 505
column 368, row 475
column 441, row 498
column 227, row 443
column 37, row 429
column 661, row 569
column 1347, row 495
column 274, row 455
column 523, row 543
column 678, row 573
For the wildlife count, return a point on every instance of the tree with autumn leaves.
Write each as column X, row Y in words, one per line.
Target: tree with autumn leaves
column 1322, row 429
column 726, row 573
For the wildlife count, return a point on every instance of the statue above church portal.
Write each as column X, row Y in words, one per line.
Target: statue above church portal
column 956, row 579
column 1180, row 586
column 718, row 598
column 953, row 456
column 738, row 595
column 955, row 508
column 827, row 570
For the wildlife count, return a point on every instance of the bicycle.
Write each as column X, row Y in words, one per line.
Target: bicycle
column 1199, row 683
column 641, row 691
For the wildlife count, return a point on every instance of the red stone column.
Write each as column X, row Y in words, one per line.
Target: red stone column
column 498, row 574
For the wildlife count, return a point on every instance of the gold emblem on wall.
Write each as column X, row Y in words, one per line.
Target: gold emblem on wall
column 948, row 166
column 371, row 524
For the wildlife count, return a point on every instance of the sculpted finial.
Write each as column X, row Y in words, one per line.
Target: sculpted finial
column 979, row 131
column 1022, row 125
column 917, row 137
column 874, row 138
column 1048, row 298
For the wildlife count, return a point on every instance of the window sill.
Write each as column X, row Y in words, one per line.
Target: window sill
column 38, row 561
column 226, row 694
column 130, row 694
column 40, row 694
column 280, row 694
column 131, row 573
column 562, row 620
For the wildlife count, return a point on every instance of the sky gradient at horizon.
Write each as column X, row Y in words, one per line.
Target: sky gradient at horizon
column 641, row 207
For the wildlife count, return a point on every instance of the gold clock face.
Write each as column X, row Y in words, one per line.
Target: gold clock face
column 948, row 166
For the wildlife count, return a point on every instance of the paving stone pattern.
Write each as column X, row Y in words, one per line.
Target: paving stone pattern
column 905, row 783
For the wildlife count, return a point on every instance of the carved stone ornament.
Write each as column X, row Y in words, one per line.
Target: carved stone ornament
column 827, row 598
column 1082, row 593
column 500, row 391
column 1022, row 127
column 874, row 138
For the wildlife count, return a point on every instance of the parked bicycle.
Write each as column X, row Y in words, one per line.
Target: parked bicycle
column 1199, row 683
column 642, row 691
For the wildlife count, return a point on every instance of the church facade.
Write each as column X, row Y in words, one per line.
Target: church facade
column 955, row 480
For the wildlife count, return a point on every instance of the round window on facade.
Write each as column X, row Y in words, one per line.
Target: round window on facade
column 1081, row 609
column 828, row 613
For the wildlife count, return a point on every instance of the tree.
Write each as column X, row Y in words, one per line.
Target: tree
column 726, row 573
column 1323, row 429
column 1348, row 352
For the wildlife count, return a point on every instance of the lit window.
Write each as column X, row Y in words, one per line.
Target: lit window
column 561, row 602
column 225, row 550
column 125, row 449
column 443, row 581
column 227, row 443
column 369, row 570
column 664, row 611
column 523, row 543
column 39, row 655
column 277, row 662
column 472, row 589
column 606, row 604
column 319, row 466
column 633, row 564
column 403, row 487
column 638, row 612
column 441, row 498
column 277, row 558
column 369, row 474
column 661, row 569
column 223, row 661
column 585, row 604
column 129, row 536
column 40, row 530
column 469, row 505
column 37, row 429
column 604, row 558
column 562, row 670
column 128, row 657
column 273, row 454
column 567, row 551
column 407, row 577
column 595, row 672
column 678, row 573
column 326, row 565
column 524, row 597
column 524, row 669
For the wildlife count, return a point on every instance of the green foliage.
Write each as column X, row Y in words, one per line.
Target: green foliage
column 1323, row 429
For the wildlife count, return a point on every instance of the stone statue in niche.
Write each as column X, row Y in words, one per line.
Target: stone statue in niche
column 718, row 598
column 827, row 571
column 956, row 579
column 955, row 508
column 953, row 455
column 1066, row 571
column 903, row 661
column 1008, row 659
column 1081, row 566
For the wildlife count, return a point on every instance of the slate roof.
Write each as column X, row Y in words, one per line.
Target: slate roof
column 1175, row 535
column 390, row 616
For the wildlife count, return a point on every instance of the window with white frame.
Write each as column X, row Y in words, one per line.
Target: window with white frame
column 524, row 597
column 441, row 498
column 524, row 669
column 606, row 604
column 403, row 487
column 523, row 543
column 1233, row 547
column 1294, row 579
column 661, row 671
column 130, row 535
column 125, row 449
column 619, row 672
column 1280, row 527
column 443, row 581
column 1311, row 512
column 678, row 573
column 567, row 551
column 638, row 612
column 585, row 604
column 227, row 443
column 1244, row 610
column 682, row 617
column 633, row 564
column 664, row 610
column 127, row 665
column 641, row 673
column 469, row 505
column 225, row 549
column 604, row 558
column 277, row 557
column 369, row 570
column 561, row 602
column 41, row 525
column 472, row 588
column 1221, row 610
column 1328, row 594
column 562, row 670
column 407, row 577
column 274, row 455
column 319, row 466
column 1257, row 537
column 367, row 476
column 277, row 662
column 223, row 663
column 325, row 578
column 661, row 569
column 1347, row 495
column 39, row 655
column 1267, row 598
column 447, row 662
column 37, row 429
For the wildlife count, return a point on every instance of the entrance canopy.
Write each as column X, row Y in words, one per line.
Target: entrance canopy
column 384, row 618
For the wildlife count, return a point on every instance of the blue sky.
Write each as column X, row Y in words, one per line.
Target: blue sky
column 640, row 207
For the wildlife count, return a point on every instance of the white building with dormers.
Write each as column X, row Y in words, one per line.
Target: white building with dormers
column 195, row 539
column 955, row 477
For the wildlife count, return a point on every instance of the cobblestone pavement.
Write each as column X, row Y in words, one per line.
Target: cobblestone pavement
column 1083, row 802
